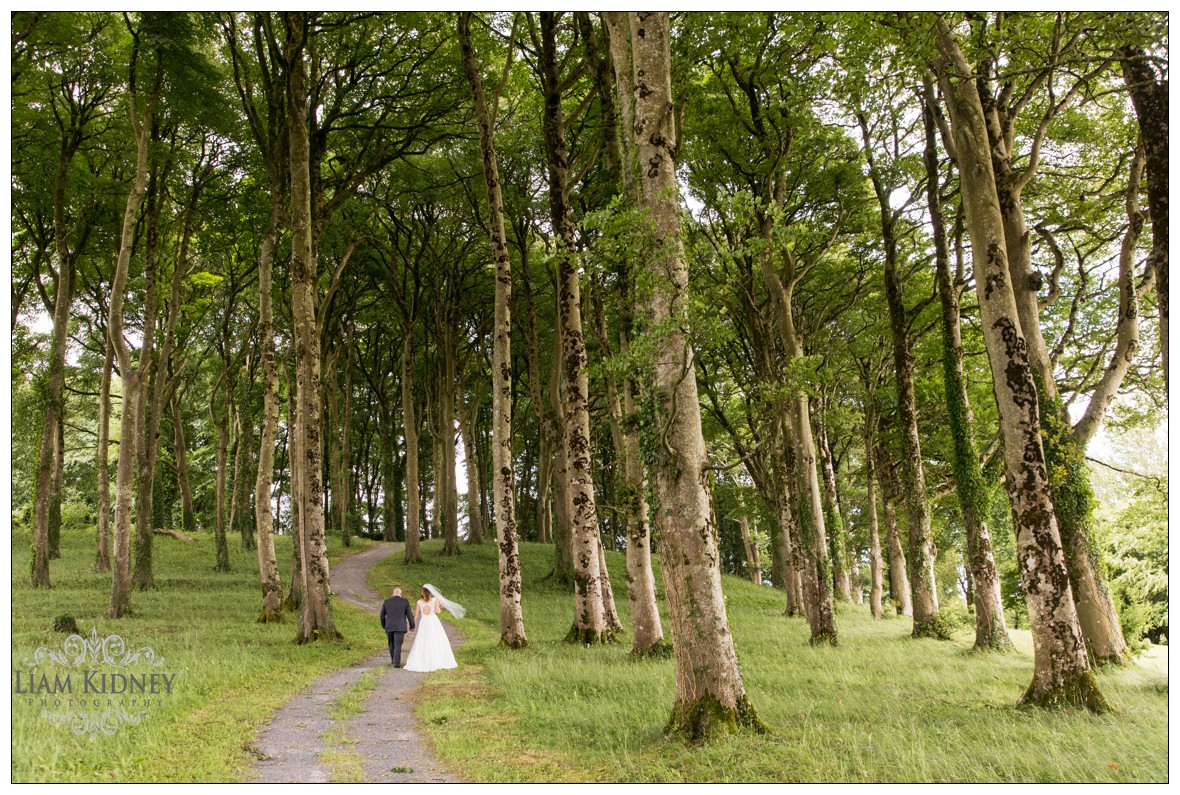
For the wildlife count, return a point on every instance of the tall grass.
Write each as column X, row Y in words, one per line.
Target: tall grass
column 231, row 672
column 880, row 707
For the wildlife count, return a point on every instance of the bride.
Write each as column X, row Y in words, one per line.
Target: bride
column 432, row 650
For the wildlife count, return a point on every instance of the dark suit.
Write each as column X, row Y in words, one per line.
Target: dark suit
column 395, row 616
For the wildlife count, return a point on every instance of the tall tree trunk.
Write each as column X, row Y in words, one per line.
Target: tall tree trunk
column 632, row 490
column 1149, row 96
column 145, row 404
column 413, row 480
column 991, row 633
column 647, row 631
column 102, row 468
column 921, row 552
column 710, row 697
column 833, row 518
column 447, row 493
column 753, row 562
column 876, row 564
column 590, row 624
column 131, row 377
column 795, row 417
column 1061, row 670
column 183, row 481
column 899, row 581
column 43, row 546
column 512, row 632
column 544, row 503
column 268, row 568
column 784, row 498
column 294, row 600
column 337, row 454
column 56, row 482
column 344, row 503
column 220, row 419
column 1068, row 473
column 392, row 528
column 471, row 467
column 316, row 623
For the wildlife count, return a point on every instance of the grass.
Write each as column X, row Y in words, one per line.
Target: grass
column 231, row 672
column 881, row 707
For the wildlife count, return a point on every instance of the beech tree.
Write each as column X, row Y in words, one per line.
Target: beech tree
column 512, row 632
column 1062, row 673
column 710, row 696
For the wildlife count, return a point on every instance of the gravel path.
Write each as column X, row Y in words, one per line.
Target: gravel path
column 384, row 738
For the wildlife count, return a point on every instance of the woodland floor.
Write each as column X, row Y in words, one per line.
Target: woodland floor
column 355, row 724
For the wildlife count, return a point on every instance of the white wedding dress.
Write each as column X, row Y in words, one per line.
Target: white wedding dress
column 432, row 649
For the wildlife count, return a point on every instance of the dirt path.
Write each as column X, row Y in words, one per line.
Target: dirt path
column 383, row 742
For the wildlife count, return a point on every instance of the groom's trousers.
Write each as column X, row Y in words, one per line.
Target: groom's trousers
column 395, row 647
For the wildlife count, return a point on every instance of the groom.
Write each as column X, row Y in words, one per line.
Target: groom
column 395, row 614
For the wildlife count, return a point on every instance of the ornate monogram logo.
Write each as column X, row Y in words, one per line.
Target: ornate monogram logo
column 104, row 688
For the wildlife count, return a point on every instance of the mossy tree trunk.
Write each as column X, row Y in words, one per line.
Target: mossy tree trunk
column 512, row 632
column 899, row 581
column 102, row 468
column 219, row 415
column 710, row 695
column 55, row 483
column 294, row 600
column 991, row 633
column 1061, row 673
column 876, row 561
column 833, row 518
column 921, row 552
column 1069, row 477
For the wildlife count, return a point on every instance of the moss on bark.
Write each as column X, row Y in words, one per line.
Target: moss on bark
column 1080, row 691
column 589, row 636
column 706, row 718
column 660, row 650
column 935, row 627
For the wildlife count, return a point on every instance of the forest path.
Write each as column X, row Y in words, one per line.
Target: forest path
column 382, row 743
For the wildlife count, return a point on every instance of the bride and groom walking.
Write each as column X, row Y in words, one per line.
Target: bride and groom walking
column 431, row 650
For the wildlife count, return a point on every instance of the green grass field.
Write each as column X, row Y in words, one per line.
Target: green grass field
column 231, row 672
column 881, row 707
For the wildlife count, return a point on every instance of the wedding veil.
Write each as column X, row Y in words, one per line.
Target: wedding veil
column 456, row 609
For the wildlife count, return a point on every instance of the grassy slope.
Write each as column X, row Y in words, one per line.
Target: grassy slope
column 881, row 707
column 231, row 672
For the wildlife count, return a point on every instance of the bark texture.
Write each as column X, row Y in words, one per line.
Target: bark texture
column 512, row 633
column 710, row 696
column 991, row 633
column 1061, row 670
column 316, row 622
column 268, row 569
column 590, row 624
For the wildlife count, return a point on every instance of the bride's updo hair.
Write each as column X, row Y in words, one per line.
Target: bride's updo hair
column 426, row 595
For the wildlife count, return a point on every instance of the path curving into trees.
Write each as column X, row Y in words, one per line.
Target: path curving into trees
column 383, row 742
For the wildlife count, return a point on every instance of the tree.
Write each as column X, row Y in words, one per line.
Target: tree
column 991, row 633
column 1061, row 670
column 512, row 632
column 316, row 622
column 710, row 697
